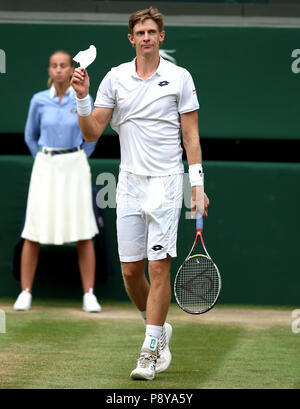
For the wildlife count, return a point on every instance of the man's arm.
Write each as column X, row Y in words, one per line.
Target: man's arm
column 92, row 124
column 190, row 137
column 191, row 143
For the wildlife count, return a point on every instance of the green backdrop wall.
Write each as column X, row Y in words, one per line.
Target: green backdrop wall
column 247, row 78
column 248, row 85
column 252, row 231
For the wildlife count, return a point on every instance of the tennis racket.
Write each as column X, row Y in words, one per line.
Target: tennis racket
column 197, row 283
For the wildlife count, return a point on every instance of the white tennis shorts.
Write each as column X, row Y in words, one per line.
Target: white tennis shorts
column 148, row 211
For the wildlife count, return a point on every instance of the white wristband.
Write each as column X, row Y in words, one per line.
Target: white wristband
column 84, row 107
column 196, row 175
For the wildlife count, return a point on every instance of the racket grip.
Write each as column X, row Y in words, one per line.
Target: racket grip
column 199, row 220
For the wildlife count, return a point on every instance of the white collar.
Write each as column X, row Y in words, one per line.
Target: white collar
column 53, row 92
column 158, row 71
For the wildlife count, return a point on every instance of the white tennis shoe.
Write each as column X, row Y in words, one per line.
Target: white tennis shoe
column 90, row 303
column 146, row 363
column 23, row 302
column 164, row 355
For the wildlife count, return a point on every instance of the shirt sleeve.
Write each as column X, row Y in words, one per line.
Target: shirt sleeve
column 105, row 95
column 89, row 147
column 188, row 100
column 32, row 127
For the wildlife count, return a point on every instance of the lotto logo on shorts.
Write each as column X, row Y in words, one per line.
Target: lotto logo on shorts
column 153, row 343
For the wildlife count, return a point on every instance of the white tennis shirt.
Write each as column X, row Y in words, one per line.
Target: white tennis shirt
column 146, row 115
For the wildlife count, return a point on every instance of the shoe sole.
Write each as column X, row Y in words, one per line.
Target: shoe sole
column 140, row 377
column 86, row 310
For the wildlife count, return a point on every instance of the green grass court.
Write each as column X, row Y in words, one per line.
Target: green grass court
column 56, row 345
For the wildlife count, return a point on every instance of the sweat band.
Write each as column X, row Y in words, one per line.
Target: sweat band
column 196, row 175
column 84, row 107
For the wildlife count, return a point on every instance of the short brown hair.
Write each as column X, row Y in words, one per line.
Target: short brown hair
column 142, row 15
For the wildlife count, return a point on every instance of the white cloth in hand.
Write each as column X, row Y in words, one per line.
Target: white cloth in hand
column 86, row 57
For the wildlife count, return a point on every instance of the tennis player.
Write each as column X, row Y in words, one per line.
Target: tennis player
column 147, row 101
column 59, row 207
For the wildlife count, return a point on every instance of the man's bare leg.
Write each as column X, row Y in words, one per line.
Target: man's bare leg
column 158, row 300
column 154, row 298
column 160, row 291
column 136, row 284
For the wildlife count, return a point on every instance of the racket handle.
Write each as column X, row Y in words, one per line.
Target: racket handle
column 199, row 220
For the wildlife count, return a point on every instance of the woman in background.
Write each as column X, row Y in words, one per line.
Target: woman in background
column 59, row 206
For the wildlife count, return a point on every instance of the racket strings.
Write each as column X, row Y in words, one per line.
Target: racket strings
column 197, row 285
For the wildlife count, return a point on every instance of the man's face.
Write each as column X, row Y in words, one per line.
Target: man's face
column 146, row 38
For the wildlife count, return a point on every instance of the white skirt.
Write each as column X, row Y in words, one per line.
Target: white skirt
column 59, row 205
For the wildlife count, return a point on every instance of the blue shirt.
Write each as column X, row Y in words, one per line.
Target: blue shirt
column 54, row 125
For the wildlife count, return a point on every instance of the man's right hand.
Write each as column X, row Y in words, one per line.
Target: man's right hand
column 80, row 82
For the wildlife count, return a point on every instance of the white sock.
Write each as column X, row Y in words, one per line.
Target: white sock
column 143, row 315
column 150, row 342
column 154, row 330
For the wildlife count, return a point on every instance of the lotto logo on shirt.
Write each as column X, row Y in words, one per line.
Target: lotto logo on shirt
column 163, row 83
